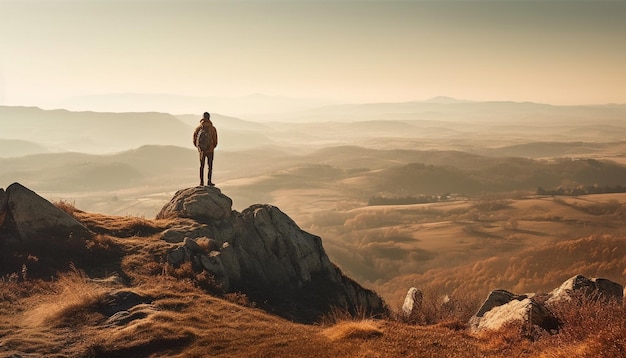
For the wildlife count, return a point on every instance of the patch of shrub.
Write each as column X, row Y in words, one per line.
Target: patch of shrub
column 201, row 279
column 240, row 299
column 600, row 322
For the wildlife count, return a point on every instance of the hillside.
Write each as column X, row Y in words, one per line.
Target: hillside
column 142, row 178
column 91, row 132
column 113, row 297
column 458, row 247
column 106, row 133
column 19, row 148
column 485, row 128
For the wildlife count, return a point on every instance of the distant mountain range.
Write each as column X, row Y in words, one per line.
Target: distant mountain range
column 450, row 109
column 258, row 107
column 18, row 148
column 440, row 122
column 31, row 130
column 178, row 104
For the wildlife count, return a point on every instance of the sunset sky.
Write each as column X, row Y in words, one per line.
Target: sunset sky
column 559, row 52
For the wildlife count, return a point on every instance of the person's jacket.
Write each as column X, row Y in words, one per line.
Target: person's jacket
column 212, row 132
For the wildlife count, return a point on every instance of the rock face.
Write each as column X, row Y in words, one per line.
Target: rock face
column 264, row 254
column 31, row 217
column 3, row 206
column 502, row 307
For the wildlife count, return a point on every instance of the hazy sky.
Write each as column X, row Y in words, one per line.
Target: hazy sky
column 561, row 52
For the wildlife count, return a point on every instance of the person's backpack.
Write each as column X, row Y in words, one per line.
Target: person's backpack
column 203, row 139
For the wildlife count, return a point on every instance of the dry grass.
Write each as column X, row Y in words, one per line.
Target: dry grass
column 470, row 246
column 591, row 326
column 62, row 317
column 534, row 269
column 118, row 226
column 364, row 329
column 512, row 340
column 438, row 308
column 75, row 301
column 68, row 206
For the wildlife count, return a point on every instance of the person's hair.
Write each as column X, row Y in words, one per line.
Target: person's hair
column 207, row 114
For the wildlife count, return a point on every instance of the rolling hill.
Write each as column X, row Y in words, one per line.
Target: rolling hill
column 19, row 148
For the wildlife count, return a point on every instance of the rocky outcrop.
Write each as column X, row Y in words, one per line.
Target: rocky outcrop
column 502, row 307
column 202, row 203
column 263, row 253
column 27, row 216
column 594, row 287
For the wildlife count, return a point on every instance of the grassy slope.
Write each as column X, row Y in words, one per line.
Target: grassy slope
column 523, row 245
column 62, row 317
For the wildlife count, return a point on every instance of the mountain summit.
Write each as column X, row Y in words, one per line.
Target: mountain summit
column 260, row 252
column 263, row 253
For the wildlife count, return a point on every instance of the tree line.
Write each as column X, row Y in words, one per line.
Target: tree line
column 582, row 190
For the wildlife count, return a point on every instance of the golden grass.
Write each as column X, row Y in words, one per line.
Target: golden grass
column 61, row 318
column 119, row 226
column 364, row 329
column 531, row 270
column 74, row 301
column 592, row 326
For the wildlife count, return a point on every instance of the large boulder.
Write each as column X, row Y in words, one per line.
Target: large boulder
column 594, row 287
column 33, row 217
column 502, row 307
column 263, row 253
column 201, row 203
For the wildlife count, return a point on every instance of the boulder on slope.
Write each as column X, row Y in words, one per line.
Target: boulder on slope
column 579, row 284
column 502, row 307
column 34, row 218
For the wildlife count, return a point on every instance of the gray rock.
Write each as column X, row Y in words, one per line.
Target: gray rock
column 176, row 257
column 610, row 289
column 502, row 307
column 520, row 308
column 497, row 298
column 263, row 252
column 201, row 203
column 213, row 264
column 122, row 300
column 412, row 302
column 579, row 284
column 230, row 262
column 191, row 246
column 272, row 251
column 174, row 235
column 35, row 217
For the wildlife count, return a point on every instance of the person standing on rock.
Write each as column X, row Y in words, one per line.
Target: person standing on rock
column 205, row 139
